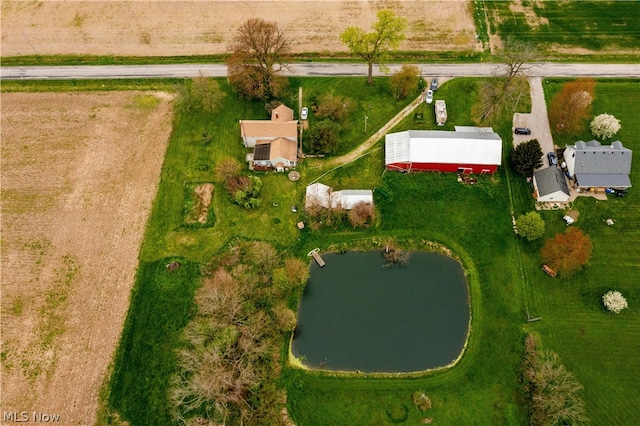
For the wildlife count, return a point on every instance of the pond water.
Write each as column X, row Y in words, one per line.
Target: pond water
column 357, row 314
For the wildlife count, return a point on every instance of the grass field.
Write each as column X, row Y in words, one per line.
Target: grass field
column 594, row 25
column 600, row 348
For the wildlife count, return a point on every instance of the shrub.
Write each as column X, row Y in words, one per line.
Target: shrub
column 362, row 214
column 421, row 400
column 332, row 107
column 405, row 81
column 323, row 137
column 605, row 126
column 530, row 226
column 614, row 301
column 227, row 168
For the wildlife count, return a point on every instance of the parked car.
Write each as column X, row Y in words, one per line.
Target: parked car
column 522, row 131
column 304, row 114
column 429, row 98
column 553, row 160
column 434, row 84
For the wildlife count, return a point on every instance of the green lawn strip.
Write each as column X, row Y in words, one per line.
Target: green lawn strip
column 164, row 84
column 597, row 346
column 376, row 102
column 161, row 305
column 592, row 25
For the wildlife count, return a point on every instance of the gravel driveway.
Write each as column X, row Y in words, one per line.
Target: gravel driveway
column 537, row 121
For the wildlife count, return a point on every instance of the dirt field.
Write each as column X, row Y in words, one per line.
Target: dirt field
column 167, row 28
column 79, row 174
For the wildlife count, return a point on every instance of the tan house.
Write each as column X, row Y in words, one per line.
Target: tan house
column 279, row 154
column 281, row 125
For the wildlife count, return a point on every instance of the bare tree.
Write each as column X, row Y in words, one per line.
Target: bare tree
column 517, row 57
column 258, row 51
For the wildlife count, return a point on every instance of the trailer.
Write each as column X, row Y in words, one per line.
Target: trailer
column 441, row 112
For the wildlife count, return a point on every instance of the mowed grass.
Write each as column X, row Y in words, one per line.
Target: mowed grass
column 475, row 222
column 139, row 386
column 599, row 347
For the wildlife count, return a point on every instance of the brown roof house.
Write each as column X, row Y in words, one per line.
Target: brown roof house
column 275, row 141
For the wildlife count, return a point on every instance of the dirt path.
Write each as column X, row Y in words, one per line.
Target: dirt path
column 537, row 120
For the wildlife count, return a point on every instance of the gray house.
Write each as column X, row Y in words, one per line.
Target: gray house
column 550, row 185
column 598, row 166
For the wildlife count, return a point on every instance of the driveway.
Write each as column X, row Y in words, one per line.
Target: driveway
column 537, row 120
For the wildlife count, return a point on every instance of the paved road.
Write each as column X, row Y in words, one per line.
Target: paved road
column 306, row 69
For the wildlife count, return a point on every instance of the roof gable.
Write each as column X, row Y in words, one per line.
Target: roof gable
column 551, row 180
column 593, row 158
column 442, row 146
column 282, row 113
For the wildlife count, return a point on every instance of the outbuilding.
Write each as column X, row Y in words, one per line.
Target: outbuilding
column 550, row 185
column 465, row 150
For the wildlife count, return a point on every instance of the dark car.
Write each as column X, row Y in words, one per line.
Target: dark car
column 434, row 84
column 522, row 131
column 553, row 160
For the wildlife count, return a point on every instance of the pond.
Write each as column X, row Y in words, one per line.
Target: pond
column 358, row 315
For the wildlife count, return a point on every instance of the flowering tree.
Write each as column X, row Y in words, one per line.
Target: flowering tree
column 614, row 301
column 604, row 126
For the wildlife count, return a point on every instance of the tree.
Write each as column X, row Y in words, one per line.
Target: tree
column 517, row 57
column 498, row 99
column 257, row 56
column 530, row 226
column 361, row 214
column 605, row 126
column 405, row 81
column 567, row 253
column 332, row 106
column 374, row 47
column 555, row 395
column 571, row 106
column 201, row 94
column 526, row 157
column 614, row 301
column 550, row 390
column 323, row 137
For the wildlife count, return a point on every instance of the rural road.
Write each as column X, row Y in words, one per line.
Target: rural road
column 307, row 69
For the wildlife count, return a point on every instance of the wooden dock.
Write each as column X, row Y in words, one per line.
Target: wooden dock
column 318, row 259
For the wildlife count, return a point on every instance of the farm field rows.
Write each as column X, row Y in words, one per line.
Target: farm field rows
column 74, row 213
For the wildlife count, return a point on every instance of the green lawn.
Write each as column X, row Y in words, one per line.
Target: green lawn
column 600, row 348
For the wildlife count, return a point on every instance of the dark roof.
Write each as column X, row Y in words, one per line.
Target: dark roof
column 551, row 180
column 262, row 152
column 595, row 159
column 610, row 180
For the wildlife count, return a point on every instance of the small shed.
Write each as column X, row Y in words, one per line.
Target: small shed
column 317, row 194
column 550, row 185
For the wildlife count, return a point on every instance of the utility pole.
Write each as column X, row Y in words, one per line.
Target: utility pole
column 300, row 125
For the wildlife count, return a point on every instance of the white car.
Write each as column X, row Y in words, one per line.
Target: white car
column 429, row 97
column 304, row 113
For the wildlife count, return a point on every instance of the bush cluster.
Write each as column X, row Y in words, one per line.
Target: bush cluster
column 614, row 301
